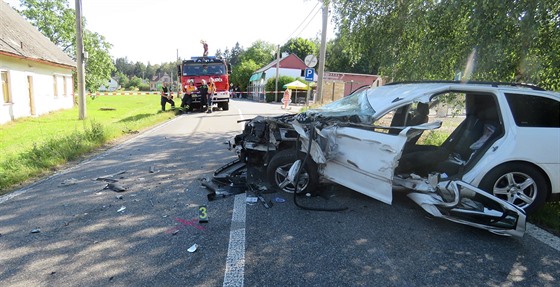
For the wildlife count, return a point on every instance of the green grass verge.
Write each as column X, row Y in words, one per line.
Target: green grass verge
column 32, row 147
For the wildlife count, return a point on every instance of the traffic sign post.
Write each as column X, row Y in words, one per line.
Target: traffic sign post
column 309, row 74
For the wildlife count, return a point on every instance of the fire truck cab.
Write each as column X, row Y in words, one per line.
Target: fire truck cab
column 203, row 68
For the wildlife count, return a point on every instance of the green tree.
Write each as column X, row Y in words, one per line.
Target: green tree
column 150, row 71
column 301, row 47
column 417, row 39
column 134, row 83
column 235, row 53
column 99, row 65
column 56, row 21
column 122, row 79
column 139, row 70
column 242, row 73
column 124, row 66
column 260, row 52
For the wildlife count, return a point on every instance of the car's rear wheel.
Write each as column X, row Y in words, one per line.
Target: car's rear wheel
column 517, row 183
column 280, row 164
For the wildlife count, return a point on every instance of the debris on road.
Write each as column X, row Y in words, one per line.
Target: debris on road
column 279, row 200
column 110, row 177
column 193, row 248
column 115, row 187
column 106, row 179
column 251, row 199
column 267, row 204
column 69, row 181
column 228, row 186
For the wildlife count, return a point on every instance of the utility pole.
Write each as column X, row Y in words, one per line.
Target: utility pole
column 80, row 62
column 179, row 85
column 277, row 67
column 322, row 51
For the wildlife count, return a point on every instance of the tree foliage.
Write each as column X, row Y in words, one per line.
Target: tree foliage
column 242, row 72
column 56, row 21
column 301, row 47
column 260, row 52
column 516, row 40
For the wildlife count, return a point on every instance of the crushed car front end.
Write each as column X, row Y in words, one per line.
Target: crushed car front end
column 343, row 142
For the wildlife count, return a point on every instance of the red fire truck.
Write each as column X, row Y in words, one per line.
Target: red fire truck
column 202, row 68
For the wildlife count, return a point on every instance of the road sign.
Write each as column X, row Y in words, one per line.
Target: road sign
column 310, row 61
column 309, row 74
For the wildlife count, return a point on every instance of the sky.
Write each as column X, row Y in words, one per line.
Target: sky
column 158, row 31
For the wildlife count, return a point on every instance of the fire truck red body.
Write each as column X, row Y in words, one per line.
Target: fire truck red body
column 202, row 68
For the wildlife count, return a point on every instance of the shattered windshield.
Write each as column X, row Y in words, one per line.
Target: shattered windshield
column 200, row 69
column 355, row 108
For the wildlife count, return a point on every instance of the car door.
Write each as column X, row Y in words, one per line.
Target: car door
column 365, row 160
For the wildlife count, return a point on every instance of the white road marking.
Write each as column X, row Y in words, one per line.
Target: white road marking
column 235, row 261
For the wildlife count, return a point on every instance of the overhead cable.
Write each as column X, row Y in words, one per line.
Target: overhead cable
column 310, row 12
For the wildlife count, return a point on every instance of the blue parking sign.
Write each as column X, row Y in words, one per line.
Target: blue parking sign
column 309, row 74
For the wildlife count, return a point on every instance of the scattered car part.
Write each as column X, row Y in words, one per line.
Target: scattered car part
column 115, row 187
column 193, row 248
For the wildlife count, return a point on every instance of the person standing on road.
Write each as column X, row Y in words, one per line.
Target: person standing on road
column 211, row 91
column 287, row 98
column 186, row 102
column 203, row 89
column 166, row 97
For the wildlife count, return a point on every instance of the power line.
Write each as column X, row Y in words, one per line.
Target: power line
column 304, row 21
column 308, row 23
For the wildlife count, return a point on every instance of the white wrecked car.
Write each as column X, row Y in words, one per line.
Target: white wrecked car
column 498, row 156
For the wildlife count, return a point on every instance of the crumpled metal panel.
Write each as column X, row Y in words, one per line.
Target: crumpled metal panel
column 469, row 205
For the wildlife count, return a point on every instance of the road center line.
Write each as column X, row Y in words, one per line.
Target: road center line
column 235, row 261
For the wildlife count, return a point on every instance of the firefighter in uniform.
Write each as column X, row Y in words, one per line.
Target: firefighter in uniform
column 166, row 97
column 186, row 102
column 211, row 91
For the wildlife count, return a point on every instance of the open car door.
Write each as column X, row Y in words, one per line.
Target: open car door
column 359, row 158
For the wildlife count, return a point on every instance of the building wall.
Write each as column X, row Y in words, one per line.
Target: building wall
column 271, row 73
column 338, row 85
column 51, row 88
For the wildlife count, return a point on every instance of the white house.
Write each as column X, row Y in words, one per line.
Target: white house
column 110, row 86
column 36, row 75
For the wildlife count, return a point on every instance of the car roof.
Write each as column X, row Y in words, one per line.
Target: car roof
column 389, row 96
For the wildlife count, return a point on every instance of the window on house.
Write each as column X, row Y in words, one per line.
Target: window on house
column 6, row 87
column 55, row 87
column 65, row 89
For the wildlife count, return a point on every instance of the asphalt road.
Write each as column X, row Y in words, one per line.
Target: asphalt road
column 67, row 230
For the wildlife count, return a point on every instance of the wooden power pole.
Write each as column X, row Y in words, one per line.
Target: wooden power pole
column 80, row 62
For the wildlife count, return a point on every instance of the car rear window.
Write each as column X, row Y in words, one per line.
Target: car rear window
column 534, row 111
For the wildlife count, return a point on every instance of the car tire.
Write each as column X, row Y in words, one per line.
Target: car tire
column 279, row 165
column 519, row 184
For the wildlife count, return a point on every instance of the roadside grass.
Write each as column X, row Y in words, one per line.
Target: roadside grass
column 36, row 146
